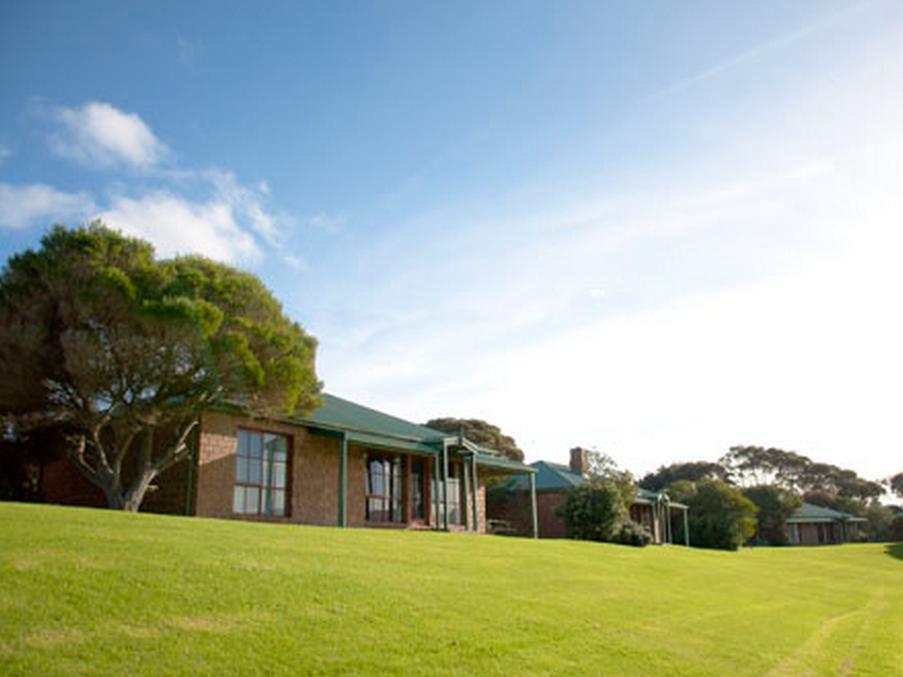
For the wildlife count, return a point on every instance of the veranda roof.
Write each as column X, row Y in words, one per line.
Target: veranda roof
column 370, row 427
column 808, row 512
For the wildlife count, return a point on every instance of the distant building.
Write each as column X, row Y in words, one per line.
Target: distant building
column 815, row 525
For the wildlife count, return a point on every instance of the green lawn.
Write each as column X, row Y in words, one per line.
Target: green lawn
column 97, row 592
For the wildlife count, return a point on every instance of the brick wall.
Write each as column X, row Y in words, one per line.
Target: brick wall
column 514, row 507
column 313, row 467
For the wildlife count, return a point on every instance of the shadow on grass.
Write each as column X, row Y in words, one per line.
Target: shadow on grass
column 894, row 550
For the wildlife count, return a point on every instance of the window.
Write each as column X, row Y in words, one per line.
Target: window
column 418, row 496
column 455, row 489
column 384, row 490
column 261, row 474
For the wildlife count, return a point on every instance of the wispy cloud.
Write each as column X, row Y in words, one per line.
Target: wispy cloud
column 5, row 153
column 749, row 294
column 23, row 206
column 754, row 53
column 98, row 134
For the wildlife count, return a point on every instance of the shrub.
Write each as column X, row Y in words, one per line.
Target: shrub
column 594, row 511
column 632, row 533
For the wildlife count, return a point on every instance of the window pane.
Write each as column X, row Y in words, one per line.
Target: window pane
column 241, row 471
column 252, row 500
column 277, row 446
column 279, row 475
column 278, row 502
column 254, row 471
column 255, row 445
column 238, row 500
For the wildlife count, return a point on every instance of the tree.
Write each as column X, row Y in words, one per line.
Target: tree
column 774, row 505
column 757, row 466
column 896, row 484
column 754, row 466
column 594, row 511
column 719, row 515
column 694, row 471
column 479, row 431
column 123, row 352
column 599, row 509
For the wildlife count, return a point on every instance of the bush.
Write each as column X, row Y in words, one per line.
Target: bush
column 595, row 511
column 719, row 515
column 632, row 533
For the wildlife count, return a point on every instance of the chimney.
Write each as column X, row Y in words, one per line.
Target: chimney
column 579, row 461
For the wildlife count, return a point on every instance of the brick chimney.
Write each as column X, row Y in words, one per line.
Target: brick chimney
column 579, row 461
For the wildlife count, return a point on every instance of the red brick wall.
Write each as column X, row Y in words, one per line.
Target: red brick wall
column 313, row 468
column 514, row 507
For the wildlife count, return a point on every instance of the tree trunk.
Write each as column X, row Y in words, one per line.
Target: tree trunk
column 133, row 497
column 108, row 477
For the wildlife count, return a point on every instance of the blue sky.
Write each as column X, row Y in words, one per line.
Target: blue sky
column 658, row 229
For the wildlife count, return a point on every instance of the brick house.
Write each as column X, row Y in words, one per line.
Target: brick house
column 342, row 465
column 511, row 500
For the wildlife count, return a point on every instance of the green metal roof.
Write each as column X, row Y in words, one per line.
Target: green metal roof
column 816, row 513
column 341, row 413
column 374, row 428
column 549, row 477
column 559, row 477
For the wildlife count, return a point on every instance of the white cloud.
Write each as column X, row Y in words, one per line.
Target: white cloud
column 179, row 226
column 5, row 152
column 248, row 203
column 23, row 206
column 100, row 135
column 179, row 209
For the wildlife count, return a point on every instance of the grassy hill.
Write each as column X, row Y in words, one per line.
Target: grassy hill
column 88, row 592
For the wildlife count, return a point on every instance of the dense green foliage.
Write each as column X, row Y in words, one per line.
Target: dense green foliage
column 773, row 505
column 719, row 515
column 101, row 592
column 594, row 511
column 694, row 471
column 599, row 509
column 632, row 533
column 122, row 351
column 479, row 431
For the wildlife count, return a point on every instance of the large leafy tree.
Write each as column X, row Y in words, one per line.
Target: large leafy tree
column 692, row 471
column 755, row 466
column 122, row 352
column 719, row 515
column 479, row 431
